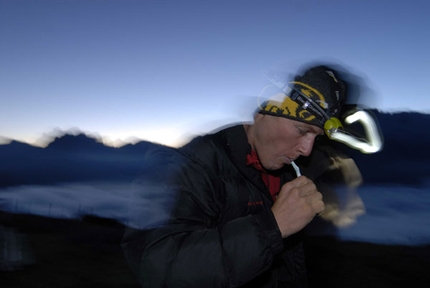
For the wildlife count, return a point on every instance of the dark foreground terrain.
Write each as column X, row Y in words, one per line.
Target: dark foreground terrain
column 86, row 253
column 69, row 253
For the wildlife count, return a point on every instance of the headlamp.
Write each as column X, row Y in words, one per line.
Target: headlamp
column 373, row 141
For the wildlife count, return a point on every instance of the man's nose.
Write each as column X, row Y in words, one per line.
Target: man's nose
column 306, row 145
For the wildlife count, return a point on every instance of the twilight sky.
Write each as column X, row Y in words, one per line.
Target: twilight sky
column 158, row 70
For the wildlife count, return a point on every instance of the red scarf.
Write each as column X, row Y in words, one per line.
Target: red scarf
column 273, row 183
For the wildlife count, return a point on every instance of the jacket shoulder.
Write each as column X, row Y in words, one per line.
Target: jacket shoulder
column 204, row 151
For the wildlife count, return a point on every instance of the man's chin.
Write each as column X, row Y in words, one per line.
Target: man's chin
column 275, row 167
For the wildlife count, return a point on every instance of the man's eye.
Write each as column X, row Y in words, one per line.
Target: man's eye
column 302, row 131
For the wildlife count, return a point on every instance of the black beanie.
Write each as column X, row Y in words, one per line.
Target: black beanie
column 316, row 96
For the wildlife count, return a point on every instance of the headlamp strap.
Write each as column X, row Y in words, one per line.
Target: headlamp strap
column 308, row 104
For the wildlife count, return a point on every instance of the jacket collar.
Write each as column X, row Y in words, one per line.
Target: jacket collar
column 235, row 142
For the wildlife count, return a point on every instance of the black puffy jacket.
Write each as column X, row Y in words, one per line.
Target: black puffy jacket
column 201, row 218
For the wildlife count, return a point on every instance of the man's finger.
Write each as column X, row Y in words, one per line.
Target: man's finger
column 299, row 182
column 313, row 197
column 318, row 206
column 307, row 189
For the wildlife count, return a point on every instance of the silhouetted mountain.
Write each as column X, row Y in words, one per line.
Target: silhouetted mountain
column 80, row 142
column 404, row 158
column 68, row 159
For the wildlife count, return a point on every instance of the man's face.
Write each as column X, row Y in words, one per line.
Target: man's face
column 278, row 140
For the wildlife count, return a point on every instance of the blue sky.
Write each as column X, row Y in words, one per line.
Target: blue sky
column 159, row 70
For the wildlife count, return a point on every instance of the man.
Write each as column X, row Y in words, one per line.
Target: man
column 226, row 210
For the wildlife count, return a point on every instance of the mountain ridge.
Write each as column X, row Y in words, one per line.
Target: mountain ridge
column 69, row 158
column 81, row 157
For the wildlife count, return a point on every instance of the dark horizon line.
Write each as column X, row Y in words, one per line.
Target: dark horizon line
column 47, row 138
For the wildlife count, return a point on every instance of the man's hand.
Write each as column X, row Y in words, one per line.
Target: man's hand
column 297, row 204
